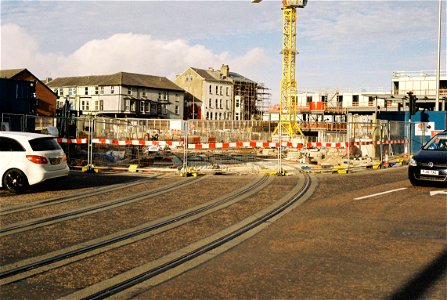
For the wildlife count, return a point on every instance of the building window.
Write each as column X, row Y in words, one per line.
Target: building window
column 96, row 90
column 142, row 107
column 309, row 99
column 177, row 98
column 99, row 105
column 86, row 90
column 339, row 100
column 217, row 103
column 210, row 89
column 210, row 103
column 227, row 92
column 129, row 91
column 127, row 105
column 207, row 115
column 102, row 90
column 221, row 90
column 237, row 103
column 85, row 105
column 355, row 100
column 144, row 93
column 133, row 106
column 227, row 104
column 61, row 92
column 177, row 110
column 217, row 90
column 112, row 89
column 163, row 95
column 147, row 106
column 221, row 104
column 370, row 101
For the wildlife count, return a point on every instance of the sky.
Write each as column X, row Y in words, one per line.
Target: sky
column 343, row 45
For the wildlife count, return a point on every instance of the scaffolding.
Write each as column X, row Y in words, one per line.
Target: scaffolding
column 263, row 98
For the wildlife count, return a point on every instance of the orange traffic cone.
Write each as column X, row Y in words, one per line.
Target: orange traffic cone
column 386, row 162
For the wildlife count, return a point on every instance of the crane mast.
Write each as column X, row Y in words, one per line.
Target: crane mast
column 288, row 124
column 288, row 89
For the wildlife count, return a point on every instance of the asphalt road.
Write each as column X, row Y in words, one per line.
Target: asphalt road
column 360, row 236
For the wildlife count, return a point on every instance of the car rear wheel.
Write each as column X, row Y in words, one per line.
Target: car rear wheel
column 15, row 181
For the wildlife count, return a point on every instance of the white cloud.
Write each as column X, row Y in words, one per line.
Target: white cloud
column 17, row 47
column 127, row 52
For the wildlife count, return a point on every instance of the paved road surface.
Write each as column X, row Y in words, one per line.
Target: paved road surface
column 370, row 235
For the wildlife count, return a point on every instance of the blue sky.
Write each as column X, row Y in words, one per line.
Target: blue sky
column 342, row 44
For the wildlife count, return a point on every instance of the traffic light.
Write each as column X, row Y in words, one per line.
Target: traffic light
column 413, row 107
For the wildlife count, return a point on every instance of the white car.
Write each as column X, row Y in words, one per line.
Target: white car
column 28, row 158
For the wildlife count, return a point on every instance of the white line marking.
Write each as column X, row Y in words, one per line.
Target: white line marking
column 433, row 193
column 378, row 194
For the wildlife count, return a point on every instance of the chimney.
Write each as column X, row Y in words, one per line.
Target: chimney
column 225, row 70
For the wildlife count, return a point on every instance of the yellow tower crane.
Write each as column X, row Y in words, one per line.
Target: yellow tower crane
column 288, row 124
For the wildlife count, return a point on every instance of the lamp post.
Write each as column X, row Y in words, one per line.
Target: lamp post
column 438, row 64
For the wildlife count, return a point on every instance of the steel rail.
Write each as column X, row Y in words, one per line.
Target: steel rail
column 35, row 223
column 119, row 287
column 59, row 200
column 132, row 234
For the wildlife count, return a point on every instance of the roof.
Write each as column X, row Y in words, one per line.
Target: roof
column 13, row 73
column 238, row 77
column 24, row 135
column 118, row 79
column 210, row 75
column 10, row 74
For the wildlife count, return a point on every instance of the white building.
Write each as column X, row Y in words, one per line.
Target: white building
column 423, row 85
column 123, row 95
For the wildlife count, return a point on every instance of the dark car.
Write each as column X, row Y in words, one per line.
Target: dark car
column 430, row 162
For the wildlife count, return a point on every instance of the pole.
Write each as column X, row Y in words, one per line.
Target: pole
column 438, row 63
column 193, row 107
column 185, row 148
column 280, row 148
column 349, row 139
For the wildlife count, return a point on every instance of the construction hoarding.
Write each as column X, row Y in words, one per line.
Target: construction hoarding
column 164, row 145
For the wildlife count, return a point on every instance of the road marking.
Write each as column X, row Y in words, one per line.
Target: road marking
column 378, row 194
column 433, row 193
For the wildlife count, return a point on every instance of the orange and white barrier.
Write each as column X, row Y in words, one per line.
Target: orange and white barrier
column 226, row 145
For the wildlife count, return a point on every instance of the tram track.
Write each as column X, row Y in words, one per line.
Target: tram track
column 143, row 272
column 31, row 267
column 144, row 277
column 39, row 222
column 64, row 199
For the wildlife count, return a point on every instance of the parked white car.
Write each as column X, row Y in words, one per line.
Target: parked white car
column 28, row 158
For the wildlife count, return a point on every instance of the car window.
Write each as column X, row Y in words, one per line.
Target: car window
column 44, row 144
column 8, row 145
column 438, row 143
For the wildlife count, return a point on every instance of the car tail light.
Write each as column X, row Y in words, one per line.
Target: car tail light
column 64, row 157
column 40, row 160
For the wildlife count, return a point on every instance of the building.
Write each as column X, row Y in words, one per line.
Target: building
column 210, row 93
column 423, row 85
column 45, row 98
column 120, row 95
column 220, row 94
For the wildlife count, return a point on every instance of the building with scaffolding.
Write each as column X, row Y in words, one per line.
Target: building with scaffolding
column 221, row 95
